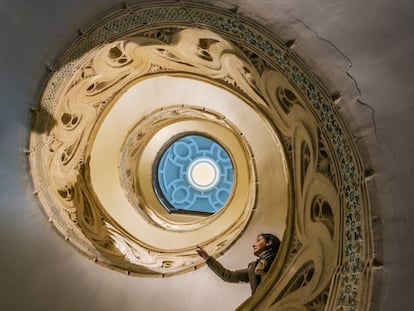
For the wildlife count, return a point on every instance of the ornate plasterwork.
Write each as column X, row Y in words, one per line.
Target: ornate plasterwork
column 141, row 149
column 326, row 257
column 105, row 143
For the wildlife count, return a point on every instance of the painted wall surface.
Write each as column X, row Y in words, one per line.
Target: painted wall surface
column 369, row 40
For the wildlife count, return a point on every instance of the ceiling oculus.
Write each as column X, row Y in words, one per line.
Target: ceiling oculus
column 194, row 174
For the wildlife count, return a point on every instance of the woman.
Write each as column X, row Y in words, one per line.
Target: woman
column 265, row 248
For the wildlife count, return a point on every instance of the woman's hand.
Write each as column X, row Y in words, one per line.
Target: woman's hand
column 201, row 252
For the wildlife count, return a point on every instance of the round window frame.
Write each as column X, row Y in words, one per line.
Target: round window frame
column 156, row 184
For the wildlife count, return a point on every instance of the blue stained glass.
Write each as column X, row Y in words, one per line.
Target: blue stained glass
column 194, row 174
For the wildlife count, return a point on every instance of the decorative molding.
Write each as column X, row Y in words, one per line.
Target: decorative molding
column 330, row 217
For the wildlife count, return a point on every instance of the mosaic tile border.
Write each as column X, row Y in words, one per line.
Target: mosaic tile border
column 356, row 235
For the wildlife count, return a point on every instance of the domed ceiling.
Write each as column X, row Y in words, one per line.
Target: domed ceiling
column 164, row 127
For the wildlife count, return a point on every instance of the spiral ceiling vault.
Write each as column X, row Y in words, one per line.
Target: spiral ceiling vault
column 164, row 127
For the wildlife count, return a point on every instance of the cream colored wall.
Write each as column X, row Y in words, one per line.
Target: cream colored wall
column 40, row 272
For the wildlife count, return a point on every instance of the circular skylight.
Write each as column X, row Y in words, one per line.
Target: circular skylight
column 194, row 174
column 203, row 174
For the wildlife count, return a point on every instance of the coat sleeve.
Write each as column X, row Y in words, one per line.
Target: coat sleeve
column 225, row 274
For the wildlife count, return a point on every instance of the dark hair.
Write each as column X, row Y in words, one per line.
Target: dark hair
column 275, row 242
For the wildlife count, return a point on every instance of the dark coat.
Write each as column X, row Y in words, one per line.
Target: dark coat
column 244, row 275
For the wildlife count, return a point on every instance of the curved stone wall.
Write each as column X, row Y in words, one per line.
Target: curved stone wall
column 326, row 257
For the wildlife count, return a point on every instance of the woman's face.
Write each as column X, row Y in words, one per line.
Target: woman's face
column 260, row 245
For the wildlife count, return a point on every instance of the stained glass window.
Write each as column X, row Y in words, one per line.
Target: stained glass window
column 193, row 174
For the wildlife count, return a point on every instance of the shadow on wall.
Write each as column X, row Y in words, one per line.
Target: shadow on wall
column 43, row 121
